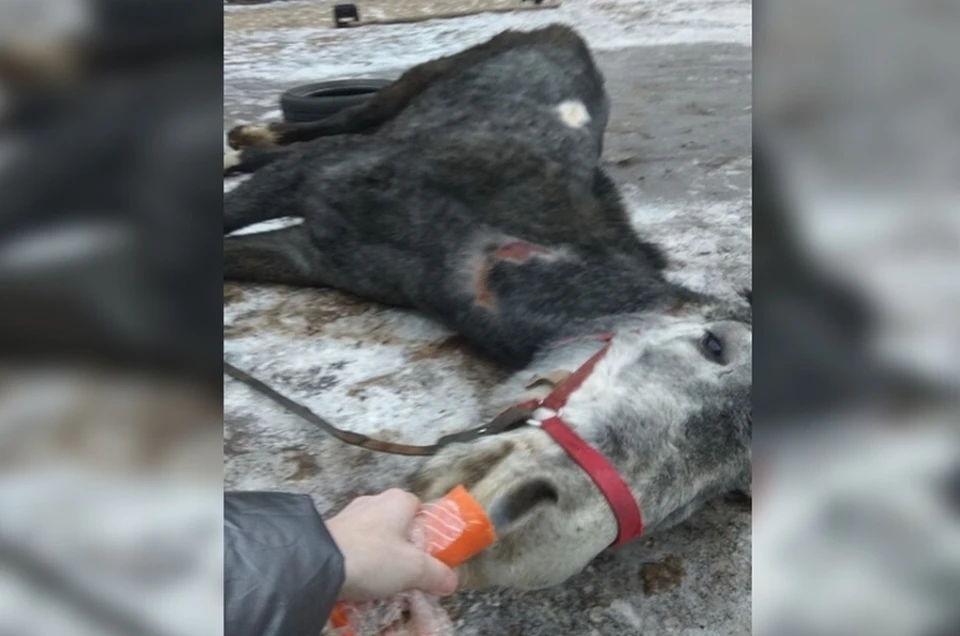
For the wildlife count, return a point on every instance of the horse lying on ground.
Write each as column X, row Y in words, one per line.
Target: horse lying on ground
column 471, row 190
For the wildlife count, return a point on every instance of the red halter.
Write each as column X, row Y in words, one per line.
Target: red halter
column 605, row 476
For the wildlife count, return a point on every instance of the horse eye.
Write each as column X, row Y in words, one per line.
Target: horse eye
column 712, row 347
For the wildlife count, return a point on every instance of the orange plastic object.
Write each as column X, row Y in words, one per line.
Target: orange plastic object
column 454, row 528
column 457, row 527
column 339, row 620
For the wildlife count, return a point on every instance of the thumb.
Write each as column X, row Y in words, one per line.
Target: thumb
column 436, row 578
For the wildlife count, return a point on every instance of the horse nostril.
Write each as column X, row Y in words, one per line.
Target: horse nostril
column 521, row 500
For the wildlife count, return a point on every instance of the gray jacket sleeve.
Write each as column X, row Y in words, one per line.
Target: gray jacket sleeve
column 282, row 570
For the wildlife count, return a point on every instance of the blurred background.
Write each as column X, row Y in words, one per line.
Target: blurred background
column 110, row 329
column 857, row 285
column 110, row 325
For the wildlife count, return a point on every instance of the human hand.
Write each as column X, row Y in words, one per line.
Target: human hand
column 379, row 559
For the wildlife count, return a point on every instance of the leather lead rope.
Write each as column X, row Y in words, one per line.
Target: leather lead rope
column 347, row 437
column 508, row 420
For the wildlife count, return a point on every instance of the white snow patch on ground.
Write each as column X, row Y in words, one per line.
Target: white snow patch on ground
column 305, row 54
column 708, row 243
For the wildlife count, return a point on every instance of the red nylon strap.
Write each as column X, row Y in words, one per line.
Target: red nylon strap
column 558, row 397
column 624, row 506
column 605, row 476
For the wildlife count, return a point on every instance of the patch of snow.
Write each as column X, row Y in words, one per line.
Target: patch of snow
column 708, row 243
column 306, row 54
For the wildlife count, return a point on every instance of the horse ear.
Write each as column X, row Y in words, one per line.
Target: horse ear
column 520, row 501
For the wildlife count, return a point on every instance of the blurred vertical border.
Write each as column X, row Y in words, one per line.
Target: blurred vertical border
column 110, row 319
column 857, row 318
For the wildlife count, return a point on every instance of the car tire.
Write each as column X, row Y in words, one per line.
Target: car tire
column 311, row 102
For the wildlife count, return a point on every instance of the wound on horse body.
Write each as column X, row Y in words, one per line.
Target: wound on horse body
column 520, row 251
column 515, row 252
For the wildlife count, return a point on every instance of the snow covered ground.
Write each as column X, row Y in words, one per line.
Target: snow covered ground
column 305, row 52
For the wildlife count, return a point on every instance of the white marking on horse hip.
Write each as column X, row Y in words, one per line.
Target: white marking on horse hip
column 573, row 113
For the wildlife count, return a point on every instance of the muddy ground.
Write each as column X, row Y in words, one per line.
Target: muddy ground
column 679, row 145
